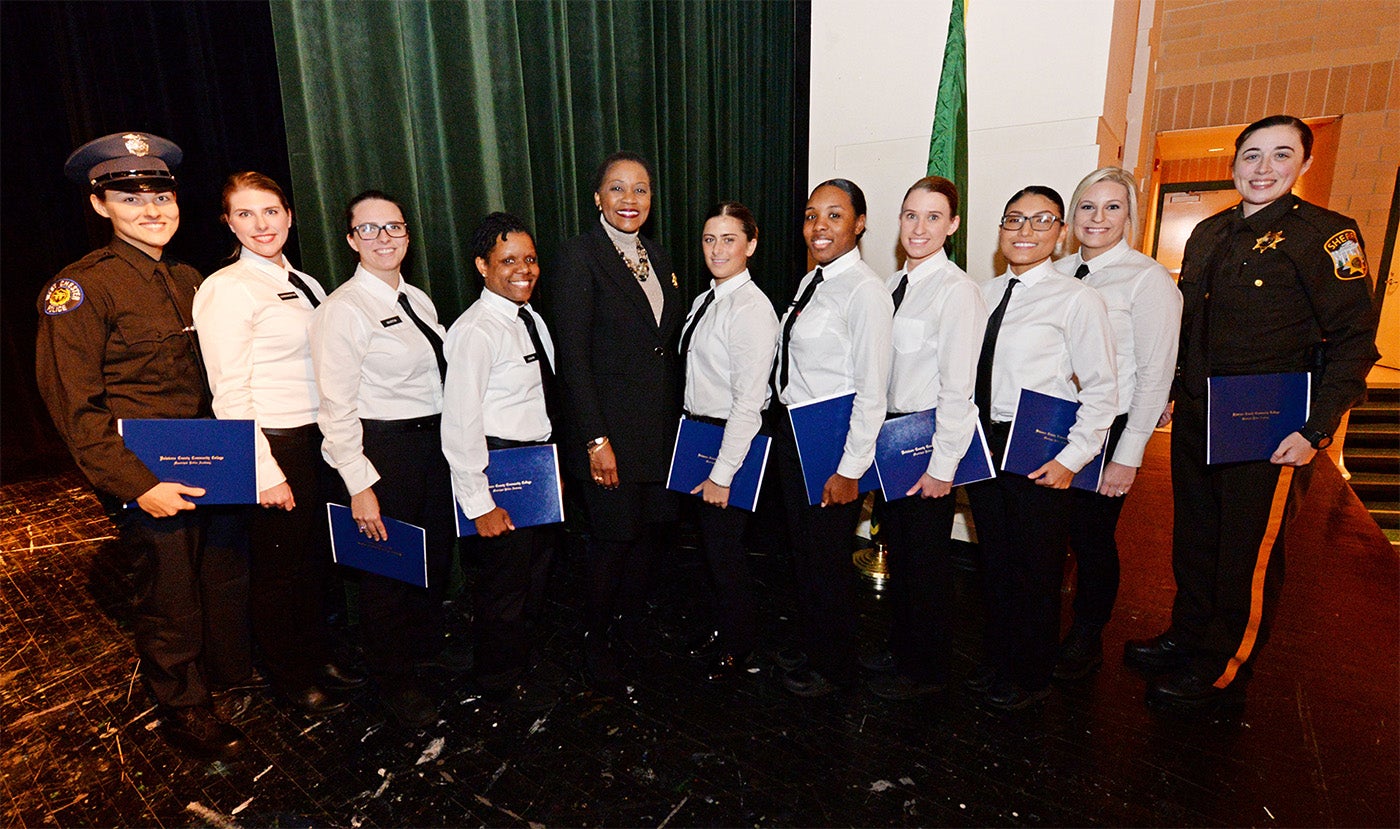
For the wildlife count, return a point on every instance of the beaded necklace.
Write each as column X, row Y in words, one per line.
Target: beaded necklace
column 641, row 268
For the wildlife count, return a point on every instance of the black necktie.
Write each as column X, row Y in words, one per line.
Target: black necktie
column 797, row 307
column 898, row 295
column 546, row 370
column 1081, row 271
column 167, row 281
column 433, row 339
column 982, row 394
column 695, row 321
column 300, row 285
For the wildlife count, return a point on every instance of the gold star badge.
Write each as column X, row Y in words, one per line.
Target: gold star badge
column 1268, row 241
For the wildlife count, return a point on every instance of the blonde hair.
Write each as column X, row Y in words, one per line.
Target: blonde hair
column 1116, row 175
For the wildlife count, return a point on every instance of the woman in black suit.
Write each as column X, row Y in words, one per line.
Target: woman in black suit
column 617, row 311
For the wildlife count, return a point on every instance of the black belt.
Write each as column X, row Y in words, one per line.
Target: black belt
column 410, row 424
column 290, row 432
column 713, row 421
column 507, row 443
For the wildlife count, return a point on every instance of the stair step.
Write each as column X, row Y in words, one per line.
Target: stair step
column 1394, row 536
column 1372, row 458
column 1391, row 426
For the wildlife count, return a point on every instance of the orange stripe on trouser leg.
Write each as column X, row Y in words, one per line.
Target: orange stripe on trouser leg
column 1256, row 587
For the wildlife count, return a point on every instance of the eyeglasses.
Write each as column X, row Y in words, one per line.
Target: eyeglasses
column 1040, row 221
column 369, row 231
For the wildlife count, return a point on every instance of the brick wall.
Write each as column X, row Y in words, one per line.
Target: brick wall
column 1235, row 61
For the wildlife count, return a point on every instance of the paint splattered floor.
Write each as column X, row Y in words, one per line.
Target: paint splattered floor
column 1317, row 744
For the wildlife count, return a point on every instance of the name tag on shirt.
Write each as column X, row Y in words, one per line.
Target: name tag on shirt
column 288, row 296
column 530, row 358
column 391, row 321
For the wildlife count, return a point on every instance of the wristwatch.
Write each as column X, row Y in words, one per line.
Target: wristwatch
column 1316, row 438
column 597, row 443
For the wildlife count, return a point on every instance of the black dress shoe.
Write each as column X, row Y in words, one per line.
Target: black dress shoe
column 1160, row 654
column 455, row 658
column 790, row 659
column 314, row 700
column 1008, row 696
column 197, row 732
column 901, row 687
column 707, row 644
column 806, row 682
column 340, row 678
column 410, row 707
column 981, row 679
column 1080, row 655
column 880, row 662
column 730, row 666
column 1186, row 691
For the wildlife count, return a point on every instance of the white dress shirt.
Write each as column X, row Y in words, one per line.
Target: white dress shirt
column 252, row 326
column 373, row 363
column 937, row 338
column 1055, row 339
column 841, row 343
column 726, row 368
column 1144, row 309
column 491, row 390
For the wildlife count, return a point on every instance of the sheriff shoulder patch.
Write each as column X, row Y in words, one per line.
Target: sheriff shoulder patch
column 64, row 295
column 1348, row 262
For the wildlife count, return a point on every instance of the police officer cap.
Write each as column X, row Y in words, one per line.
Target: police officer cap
column 128, row 161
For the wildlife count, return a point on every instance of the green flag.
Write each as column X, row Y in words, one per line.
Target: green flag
column 947, row 151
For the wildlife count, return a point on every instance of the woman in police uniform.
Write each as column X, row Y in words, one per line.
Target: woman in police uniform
column 1273, row 284
column 116, row 341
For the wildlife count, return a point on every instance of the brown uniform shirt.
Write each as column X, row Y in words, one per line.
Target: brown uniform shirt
column 1262, row 294
column 113, row 344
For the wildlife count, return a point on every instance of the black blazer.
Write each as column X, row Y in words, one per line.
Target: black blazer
column 617, row 368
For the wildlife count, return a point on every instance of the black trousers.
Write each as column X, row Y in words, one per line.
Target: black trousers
column 506, row 601
column 400, row 623
column 1228, row 575
column 1092, row 536
column 624, row 528
column 191, row 603
column 821, row 557
column 289, row 554
column 722, row 538
column 1022, row 529
column 918, row 536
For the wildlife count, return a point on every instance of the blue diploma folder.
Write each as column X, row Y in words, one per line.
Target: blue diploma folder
column 218, row 455
column 902, row 452
column 404, row 556
column 1039, row 431
column 1247, row 416
column 820, row 427
column 524, row 482
column 697, row 447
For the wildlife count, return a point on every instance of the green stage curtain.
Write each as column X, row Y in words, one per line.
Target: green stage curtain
column 461, row 108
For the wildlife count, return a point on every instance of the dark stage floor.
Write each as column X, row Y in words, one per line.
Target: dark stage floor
column 1316, row 745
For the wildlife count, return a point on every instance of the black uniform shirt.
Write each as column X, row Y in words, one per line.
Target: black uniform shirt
column 113, row 344
column 1262, row 294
